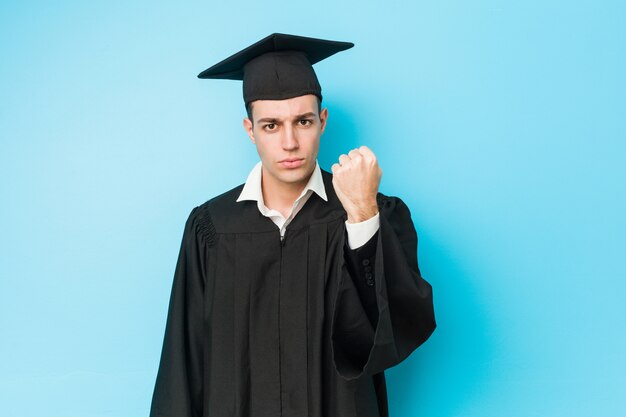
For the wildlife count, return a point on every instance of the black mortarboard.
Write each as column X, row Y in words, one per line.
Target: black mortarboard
column 277, row 67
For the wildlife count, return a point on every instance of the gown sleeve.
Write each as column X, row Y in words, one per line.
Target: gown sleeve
column 383, row 307
column 178, row 388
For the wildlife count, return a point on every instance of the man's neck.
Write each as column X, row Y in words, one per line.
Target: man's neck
column 279, row 195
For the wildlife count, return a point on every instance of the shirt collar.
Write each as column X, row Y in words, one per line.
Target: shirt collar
column 252, row 188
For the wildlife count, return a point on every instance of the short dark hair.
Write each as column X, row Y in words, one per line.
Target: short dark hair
column 249, row 108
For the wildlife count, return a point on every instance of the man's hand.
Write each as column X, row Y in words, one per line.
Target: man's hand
column 356, row 179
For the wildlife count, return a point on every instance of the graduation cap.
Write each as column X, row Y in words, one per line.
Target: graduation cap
column 277, row 67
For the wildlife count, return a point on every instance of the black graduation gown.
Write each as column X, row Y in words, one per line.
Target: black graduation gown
column 302, row 328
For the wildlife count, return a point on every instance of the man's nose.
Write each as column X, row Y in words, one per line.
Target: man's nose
column 290, row 138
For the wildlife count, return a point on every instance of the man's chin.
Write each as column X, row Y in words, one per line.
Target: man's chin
column 296, row 176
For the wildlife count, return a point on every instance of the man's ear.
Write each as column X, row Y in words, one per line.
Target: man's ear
column 247, row 125
column 323, row 118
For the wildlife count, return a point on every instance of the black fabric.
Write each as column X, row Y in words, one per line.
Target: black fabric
column 260, row 328
column 277, row 67
column 360, row 263
column 278, row 76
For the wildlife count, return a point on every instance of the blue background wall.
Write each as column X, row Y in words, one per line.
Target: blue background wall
column 501, row 124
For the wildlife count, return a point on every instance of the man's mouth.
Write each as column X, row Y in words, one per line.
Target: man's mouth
column 292, row 162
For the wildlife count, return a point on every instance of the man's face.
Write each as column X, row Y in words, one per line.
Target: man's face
column 287, row 137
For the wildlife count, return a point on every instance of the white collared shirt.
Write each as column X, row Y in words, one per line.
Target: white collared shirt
column 358, row 233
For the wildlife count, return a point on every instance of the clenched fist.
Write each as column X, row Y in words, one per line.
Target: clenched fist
column 356, row 179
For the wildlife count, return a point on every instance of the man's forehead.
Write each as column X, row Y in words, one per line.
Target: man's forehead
column 281, row 109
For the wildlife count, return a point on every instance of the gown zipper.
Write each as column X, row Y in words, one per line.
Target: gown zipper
column 283, row 238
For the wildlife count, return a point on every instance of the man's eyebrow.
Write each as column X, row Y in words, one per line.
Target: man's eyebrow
column 275, row 120
column 268, row 120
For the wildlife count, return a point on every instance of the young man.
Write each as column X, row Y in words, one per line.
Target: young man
column 294, row 291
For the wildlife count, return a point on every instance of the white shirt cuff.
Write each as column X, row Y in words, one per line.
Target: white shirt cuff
column 360, row 233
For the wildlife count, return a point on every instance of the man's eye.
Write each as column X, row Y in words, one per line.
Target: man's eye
column 305, row 122
column 270, row 126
